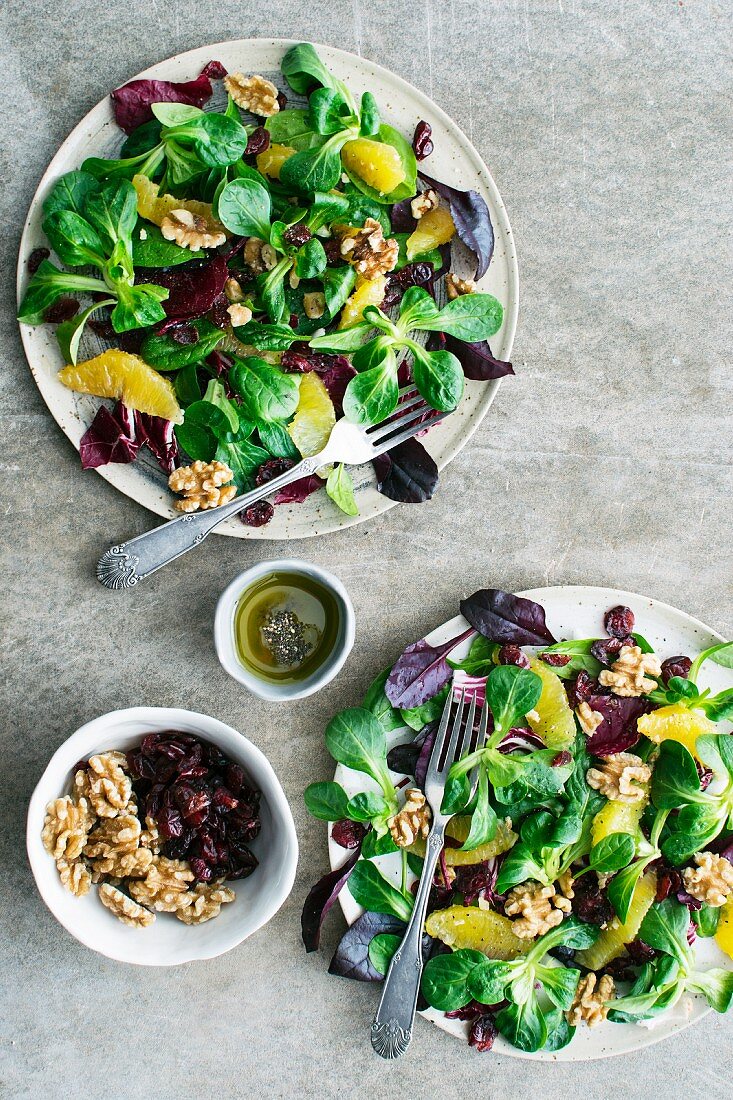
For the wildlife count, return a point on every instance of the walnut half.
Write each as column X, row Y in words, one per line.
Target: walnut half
column 124, row 908
column 190, row 230
column 203, row 485
column 253, row 93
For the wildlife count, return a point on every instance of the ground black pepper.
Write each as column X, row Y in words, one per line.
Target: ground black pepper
column 284, row 635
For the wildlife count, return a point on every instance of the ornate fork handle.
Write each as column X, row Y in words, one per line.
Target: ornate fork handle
column 124, row 565
column 392, row 1026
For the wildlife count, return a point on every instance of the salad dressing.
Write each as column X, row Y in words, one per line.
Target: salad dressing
column 285, row 627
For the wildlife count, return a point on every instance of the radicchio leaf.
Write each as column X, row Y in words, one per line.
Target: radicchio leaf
column 321, row 898
column 407, row 473
column 472, row 221
column 193, row 287
column 336, row 375
column 157, row 434
column 132, row 102
column 420, row 672
column 521, row 740
column 617, row 732
column 477, row 361
column 351, row 959
column 505, row 618
column 109, row 438
column 299, row 490
column 402, row 218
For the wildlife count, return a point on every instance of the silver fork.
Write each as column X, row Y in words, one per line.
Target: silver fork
column 124, row 565
column 392, row 1025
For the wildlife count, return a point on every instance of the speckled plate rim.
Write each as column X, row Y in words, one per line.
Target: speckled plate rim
column 317, row 515
column 587, row 1044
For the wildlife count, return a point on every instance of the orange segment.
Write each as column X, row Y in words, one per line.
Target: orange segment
column 367, row 292
column 724, row 935
column 377, row 164
column 556, row 724
column 153, row 206
column 458, row 829
column 676, row 723
column 434, row 228
column 314, row 418
column 127, row 378
column 272, row 159
column 480, row 929
column 618, row 817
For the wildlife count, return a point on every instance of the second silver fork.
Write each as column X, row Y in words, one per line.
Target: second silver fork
column 125, row 565
column 392, row 1026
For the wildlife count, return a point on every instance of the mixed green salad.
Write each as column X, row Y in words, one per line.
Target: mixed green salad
column 596, row 850
column 250, row 267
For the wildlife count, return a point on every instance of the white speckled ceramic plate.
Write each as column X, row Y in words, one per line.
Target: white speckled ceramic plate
column 455, row 161
column 575, row 611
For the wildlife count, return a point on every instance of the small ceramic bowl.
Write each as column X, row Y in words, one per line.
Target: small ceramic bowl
column 225, row 642
column 167, row 941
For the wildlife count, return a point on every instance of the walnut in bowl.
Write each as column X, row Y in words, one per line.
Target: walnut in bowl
column 80, row 840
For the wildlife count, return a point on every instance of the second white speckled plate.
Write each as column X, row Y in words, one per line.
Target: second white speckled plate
column 576, row 611
column 454, row 161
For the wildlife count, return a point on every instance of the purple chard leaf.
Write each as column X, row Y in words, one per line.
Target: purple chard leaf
column 477, row 361
column 321, row 898
column 420, row 672
column 407, row 473
column 472, row 221
column 505, row 618
column 617, row 732
column 351, row 959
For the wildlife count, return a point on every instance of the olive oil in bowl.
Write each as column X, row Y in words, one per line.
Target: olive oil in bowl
column 286, row 625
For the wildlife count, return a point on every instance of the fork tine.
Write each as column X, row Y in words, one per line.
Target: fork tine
column 408, row 433
column 479, row 737
column 408, row 391
column 389, row 426
column 468, row 728
column 410, row 399
column 448, row 756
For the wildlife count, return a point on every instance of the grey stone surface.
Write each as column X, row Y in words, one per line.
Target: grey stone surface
column 608, row 130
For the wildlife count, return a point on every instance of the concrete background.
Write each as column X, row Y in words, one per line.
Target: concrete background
column 608, row 130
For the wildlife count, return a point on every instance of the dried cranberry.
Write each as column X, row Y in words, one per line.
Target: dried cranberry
column 512, row 655
column 257, row 514
column 675, row 666
column 349, row 834
column 242, row 864
column 102, row 327
column 131, row 341
column 472, row 880
column 61, row 310
column 606, row 650
column 640, row 952
column 201, row 869
column 297, row 234
column 259, row 141
column 36, row 258
column 184, row 334
column 282, row 100
column 619, row 621
column 560, row 759
column 207, row 846
column 420, row 274
column 583, row 688
column 332, row 248
column 224, row 799
column 193, row 803
column 214, row 70
column 422, row 140
column 272, row 469
column 483, row 1033
column 294, row 362
column 590, row 903
column 170, row 824
column 556, row 660
column 235, row 777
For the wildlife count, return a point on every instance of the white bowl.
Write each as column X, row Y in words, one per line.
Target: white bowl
column 167, row 942
column 225, row 642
